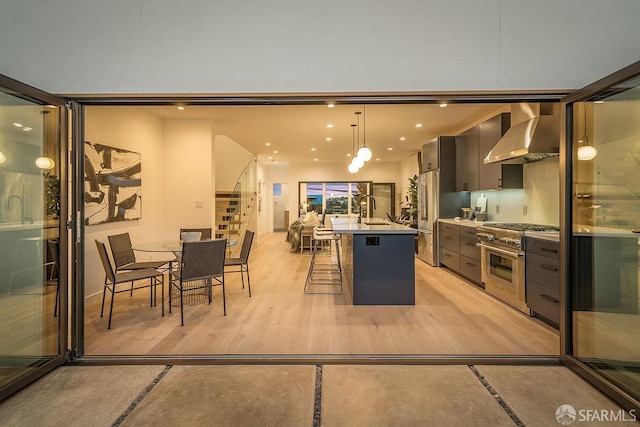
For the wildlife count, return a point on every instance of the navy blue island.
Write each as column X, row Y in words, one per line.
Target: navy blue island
column 378, row 260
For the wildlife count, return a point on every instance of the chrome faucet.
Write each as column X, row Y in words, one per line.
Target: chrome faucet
column 360, row 206
column 22, row 217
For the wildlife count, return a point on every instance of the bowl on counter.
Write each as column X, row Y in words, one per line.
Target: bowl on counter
column 190, row 236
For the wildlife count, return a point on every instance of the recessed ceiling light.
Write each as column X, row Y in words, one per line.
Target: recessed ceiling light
column 267, row 144
column 348, row 154
column 444, row 104
column 328, row 139
column 600, row 102
column 275, row 162
column 330, row 125
column 275, row 151
column 315, row 160
column 402, row 138
column 390, row 149
column 269, row 158
column 27, row 129
column 331, row 105
column 18, row 125
column 418, row 125
column 377, row 159
column 313, row 149
column 181, row 108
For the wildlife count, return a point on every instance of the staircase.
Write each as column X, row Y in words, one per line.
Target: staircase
column 235, row 209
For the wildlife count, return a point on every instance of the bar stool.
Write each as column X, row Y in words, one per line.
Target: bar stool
column 326, row 274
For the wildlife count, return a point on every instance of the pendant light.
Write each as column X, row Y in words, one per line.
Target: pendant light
column 45, row 162
column 352, row 167
column 3, row 158
column 364, row 153
column 586, row 151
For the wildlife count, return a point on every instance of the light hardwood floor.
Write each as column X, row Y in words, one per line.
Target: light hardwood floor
column 451, row 317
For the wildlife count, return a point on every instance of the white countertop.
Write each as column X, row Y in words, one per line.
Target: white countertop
column 464, row 222
column 12, row 226
column 375, row 226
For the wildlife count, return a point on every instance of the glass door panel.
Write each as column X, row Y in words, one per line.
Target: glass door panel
column 29, row 230
column 606, row 222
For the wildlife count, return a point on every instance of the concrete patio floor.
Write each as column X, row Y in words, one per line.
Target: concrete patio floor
column 304, row 395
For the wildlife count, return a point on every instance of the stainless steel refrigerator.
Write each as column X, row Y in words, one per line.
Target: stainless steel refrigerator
column 427, row 217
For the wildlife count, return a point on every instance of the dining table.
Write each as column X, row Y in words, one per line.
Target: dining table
column 198, row 295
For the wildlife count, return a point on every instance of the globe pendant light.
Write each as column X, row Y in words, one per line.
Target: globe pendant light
column 358, row 162
column 352, row 167
column 586, row 151
column 364, row 153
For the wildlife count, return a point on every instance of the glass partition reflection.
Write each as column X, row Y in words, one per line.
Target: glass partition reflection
column 29, row 210
column 606, row 222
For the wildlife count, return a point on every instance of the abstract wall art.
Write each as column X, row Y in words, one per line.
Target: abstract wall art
column 112, row 184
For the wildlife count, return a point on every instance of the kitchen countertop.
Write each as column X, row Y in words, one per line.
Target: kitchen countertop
column 464, row 222
column 378, row 226
column 16, row 226
column 545, row 235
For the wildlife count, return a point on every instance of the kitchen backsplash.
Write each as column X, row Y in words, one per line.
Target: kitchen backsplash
column 537, row 203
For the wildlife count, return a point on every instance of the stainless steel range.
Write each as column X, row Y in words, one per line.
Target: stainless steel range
column 502, row 259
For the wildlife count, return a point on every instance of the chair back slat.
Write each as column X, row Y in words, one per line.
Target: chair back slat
column 203, row 259
column 246, row 246
column 106, row 263
column 121, row 249
column 206, row 232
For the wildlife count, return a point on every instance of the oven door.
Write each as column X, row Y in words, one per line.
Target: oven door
column 503, row 275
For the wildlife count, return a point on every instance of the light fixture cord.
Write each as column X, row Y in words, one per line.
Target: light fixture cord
column 364, row 125
column 353, row 138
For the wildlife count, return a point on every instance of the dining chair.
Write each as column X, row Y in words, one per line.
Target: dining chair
column 243, row 261
column 114, row 278
column 124, row 257
column 206, row 232
column 201, row 267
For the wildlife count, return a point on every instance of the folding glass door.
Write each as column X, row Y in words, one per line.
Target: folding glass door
column 30, row 273
column 605, row 202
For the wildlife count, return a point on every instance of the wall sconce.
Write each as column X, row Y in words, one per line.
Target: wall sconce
column 3, row 158
column 45, row 162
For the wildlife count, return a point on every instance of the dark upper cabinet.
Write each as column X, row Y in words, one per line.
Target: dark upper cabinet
column 467, row 160
column 496, row 175
column 430, row 156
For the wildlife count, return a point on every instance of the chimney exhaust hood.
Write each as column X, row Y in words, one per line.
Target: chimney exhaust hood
column 537, row 138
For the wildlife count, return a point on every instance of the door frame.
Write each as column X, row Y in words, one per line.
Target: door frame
column 589, row 92
column 24, row 91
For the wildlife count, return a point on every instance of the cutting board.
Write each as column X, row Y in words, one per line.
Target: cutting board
column 481, row 204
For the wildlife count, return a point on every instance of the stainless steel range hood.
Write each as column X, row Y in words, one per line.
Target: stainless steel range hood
column 536, row 138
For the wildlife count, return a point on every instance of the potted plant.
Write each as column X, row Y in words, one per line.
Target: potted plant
column 412, row 200
column 52, row 192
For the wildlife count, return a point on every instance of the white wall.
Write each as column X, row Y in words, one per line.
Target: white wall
column 200, row 46
column 231, row 160
column 275, row 173
column 136, row 130
column 188, row 166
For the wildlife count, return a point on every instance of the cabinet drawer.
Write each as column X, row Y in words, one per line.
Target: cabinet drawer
column 449, row 228
column 543, row 270
column 468, row 247
column 470, row 268
column 544, row 301
column 543, row 247
column 450, row 259
column 450, row 241
column 468, row 231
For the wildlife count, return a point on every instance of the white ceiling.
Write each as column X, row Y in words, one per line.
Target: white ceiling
column 294, row 130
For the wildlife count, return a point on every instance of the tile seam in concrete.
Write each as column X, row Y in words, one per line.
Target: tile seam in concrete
column 317, row 402
column 141, row 397
column 514, row 417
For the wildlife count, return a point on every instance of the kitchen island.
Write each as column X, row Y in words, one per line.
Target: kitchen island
column 378, row 260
